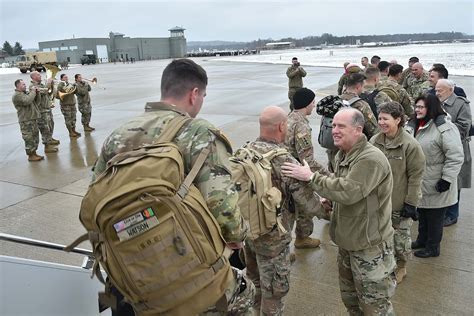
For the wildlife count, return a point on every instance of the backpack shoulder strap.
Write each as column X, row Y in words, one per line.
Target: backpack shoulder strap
column 184, row 188
column 172, row 128
column 274, row 153
column 353, row 100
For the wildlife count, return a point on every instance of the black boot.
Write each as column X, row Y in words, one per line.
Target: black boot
column 427, row 252
column 417, row 244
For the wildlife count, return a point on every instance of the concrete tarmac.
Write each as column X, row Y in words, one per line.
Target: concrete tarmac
column 41, row 200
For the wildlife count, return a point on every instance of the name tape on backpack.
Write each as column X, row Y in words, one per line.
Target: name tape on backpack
column 136, row 224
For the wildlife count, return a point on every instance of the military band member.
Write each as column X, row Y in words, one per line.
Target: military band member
column 68, row 105
column 84, row 102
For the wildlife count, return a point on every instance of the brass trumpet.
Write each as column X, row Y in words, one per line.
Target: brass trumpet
column 93, row 80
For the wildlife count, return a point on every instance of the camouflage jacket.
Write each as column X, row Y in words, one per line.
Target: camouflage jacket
column 299, row 142
column 371, row 126
column 42, row 101
column 295, row 75
column 416, row 87
column 403, row 97
column 82, row 93
column 213, row 180
column 405, row 73
column 295, row 194
column 341, row 84
column 25, row 106
column 68, row 99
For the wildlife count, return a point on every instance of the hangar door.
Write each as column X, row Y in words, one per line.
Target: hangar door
column 102, row 53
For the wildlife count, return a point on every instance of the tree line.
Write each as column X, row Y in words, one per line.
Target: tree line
column 16, row 50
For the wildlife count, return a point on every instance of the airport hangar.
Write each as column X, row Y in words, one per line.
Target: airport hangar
column 118, row 47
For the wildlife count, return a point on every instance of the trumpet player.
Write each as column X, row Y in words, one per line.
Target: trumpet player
column 43, row 103
column 28, row 115
column 67, row 101
column 84, row 102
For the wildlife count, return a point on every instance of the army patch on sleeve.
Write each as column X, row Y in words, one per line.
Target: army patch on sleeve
column 304, row 140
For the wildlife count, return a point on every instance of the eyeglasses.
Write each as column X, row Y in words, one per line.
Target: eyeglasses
column 419, row 107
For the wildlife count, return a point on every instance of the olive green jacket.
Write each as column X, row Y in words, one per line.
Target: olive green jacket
column 82, row 93
column 361, row 192
column 295, row 76
column 407, row 161
column 25, row 107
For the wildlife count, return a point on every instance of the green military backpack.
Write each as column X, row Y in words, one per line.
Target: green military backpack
column 152, row 232
column 391, row 92
column 259, row 200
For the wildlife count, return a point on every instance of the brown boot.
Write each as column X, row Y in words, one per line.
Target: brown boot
column 35, row 157
column 307, row 242
column 400, row 274
column 88, row 128
column 292, row 257
column 73, row 133
column 54, row 142
column 48, row 148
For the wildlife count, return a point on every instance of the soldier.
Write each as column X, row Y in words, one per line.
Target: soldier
column 84, row 102
column 360, row 195
column 183, row 88
column 407, row 71
column 68, row 105
column 373, row 96
column 350, row 69
column 400, row 95
column 43, row 103
column 383, row 68
column 364, row 62
column 460, row 111
column 300, row 145
column 295, row 74
column 355, row 83
column 268, row 257
column 28, row 115
column 417, row 82
column 374, row 61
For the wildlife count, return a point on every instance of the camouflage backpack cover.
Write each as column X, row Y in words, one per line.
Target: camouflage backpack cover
column 259, row 200
column 152, row 232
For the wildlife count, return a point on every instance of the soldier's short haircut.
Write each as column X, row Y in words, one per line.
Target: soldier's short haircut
column 395, row 70
column 294, row 58
column 372, row 72
column 394, row 109
column 17, row 82
column 383, row 65
column 181, row 76
column 62, row 76
column 375, row 59
column 355, row 79
column 438, row 65
column 442, row 72
column 414, row 60
column 76, row 76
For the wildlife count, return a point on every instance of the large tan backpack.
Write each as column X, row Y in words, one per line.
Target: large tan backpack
column 153, row 233
column 259, row 200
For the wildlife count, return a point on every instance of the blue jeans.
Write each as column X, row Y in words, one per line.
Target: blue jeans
column 452, row 212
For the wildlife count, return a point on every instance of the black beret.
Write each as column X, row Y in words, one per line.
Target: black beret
column 302, row 98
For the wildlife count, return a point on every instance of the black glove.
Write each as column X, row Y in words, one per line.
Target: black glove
column 409, row 211
column 442, row 186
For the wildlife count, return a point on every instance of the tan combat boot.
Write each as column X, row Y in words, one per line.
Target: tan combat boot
column 54, row 142
column 88, row 128
column 292, row 257
column 49, row 148
column 35, row 157
column 73, row 133
column 400, row 274
column 307, row 242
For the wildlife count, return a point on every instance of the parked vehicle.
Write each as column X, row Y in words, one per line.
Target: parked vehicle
column 35, row 61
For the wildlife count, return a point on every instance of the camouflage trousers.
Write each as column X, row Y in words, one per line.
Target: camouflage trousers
column 86, row 110
column 271, row 276
column 51, row 122
column 69, row 112
column 401, row 238
column 45, row 127
column 240, row 295
column 291, row 93
column 304, row 225
column 367, row 279
column 30, row 135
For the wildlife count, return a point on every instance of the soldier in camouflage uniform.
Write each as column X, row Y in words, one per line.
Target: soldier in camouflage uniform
column 361, row 226
column 417, row 83
column 183, row 88
column 300, row 145
column 350, row 69
column 68, row 106
column 295, row 74
column 355, row 83
column 372, row 75
column 268, row 257
column 84, row 102
column 401, row 95
column 407, row 162
column 28, row 115
column 406, row 72
column 43, row 104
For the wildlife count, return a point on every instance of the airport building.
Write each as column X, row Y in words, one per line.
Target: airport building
column 119, row 47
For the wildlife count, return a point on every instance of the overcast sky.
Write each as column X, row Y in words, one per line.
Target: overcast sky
column 233, row 20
